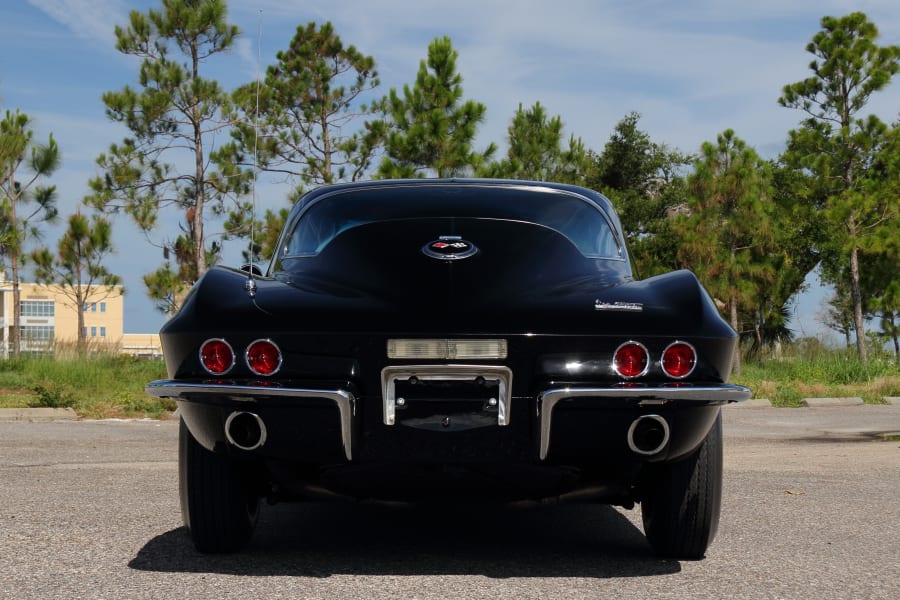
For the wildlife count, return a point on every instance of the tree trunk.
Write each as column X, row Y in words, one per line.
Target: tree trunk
column 82, row 334
column 759, row 336
column 736, row 363
column 894, row 333
column 855, row 289
column 197, row 225
column 81, row 300
column 733, row 307
column 197, row 235
column 15, row 332
column 15, row 336
column 327, row 151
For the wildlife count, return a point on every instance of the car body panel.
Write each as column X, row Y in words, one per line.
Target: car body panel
column 549, row 418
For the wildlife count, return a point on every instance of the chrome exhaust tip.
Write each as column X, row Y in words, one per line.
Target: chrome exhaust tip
column 648, row 435
column 245, row 430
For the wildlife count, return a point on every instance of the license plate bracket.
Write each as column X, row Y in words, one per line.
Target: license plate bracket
column 447, row 388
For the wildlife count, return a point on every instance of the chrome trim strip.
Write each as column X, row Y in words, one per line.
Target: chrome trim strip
column 653, row 396
column 345, row 401
column 503, row 376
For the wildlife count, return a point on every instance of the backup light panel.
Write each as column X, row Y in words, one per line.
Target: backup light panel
column 446, row 349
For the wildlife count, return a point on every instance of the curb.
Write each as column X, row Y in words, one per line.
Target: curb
column 751, row 403
column 829, row 402
column 37, row 414
column 813, row 402
column 67, row 414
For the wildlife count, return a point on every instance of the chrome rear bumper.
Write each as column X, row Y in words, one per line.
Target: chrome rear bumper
column 179, row 390
column 646, row 396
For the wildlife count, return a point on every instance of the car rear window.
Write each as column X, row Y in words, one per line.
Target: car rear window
column 578, row 219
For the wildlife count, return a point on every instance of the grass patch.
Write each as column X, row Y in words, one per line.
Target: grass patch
column 101, row 386
column 786, row 380
column 108, row 385
column 16, row 398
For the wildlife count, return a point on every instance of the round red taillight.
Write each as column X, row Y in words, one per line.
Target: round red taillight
column 263, row 357
column 216, row 356
column 631, row 360
column 679, row 360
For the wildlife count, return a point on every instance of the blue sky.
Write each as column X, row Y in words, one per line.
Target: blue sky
column 691, row 68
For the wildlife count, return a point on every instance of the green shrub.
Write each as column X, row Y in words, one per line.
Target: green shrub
column 51, row 397
column 787, row 395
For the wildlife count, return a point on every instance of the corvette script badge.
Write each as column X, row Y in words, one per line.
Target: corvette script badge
column 449, row 247
column 619, row 306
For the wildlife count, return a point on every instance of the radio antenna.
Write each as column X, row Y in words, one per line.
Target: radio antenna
column 250, row 284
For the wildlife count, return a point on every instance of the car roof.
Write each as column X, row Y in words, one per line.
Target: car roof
column 592, row 196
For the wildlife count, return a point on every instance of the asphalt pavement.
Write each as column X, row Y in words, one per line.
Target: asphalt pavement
column 90, row 510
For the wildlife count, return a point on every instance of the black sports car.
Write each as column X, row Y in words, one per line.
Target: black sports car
column 431, row 339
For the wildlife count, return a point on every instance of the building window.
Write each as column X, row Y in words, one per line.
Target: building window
column 37, row 333
column 103, row 307
column 93, row 307
column 93, row 332
column 37, row 308
column 103, row 332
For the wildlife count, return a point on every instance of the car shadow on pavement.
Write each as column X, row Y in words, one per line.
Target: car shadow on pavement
column 321, row 540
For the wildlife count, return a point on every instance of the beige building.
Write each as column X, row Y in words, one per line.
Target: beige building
column 144, row 345
column 49, row 316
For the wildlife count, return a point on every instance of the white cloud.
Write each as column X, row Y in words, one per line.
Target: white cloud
column 93, row 20
column 714, row 64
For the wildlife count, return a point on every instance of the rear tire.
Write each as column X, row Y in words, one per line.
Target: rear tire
column 217, row 503
column 682, row 500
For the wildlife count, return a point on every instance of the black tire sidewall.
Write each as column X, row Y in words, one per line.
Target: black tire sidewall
column 217, row 505
column 682, row 500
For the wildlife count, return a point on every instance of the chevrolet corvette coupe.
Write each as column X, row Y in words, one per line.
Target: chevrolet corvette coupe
column 431, row 340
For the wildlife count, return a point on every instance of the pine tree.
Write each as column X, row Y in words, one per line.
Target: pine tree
column 642, row 179
column 798, row 229
column 77, row 268
column 880, row 282
column 24, row 204
column 726, row 232
column 173, row 117
column 837, row 143
column 430, row 129
column 310, row 111
column 536, row 151
column 305, row 121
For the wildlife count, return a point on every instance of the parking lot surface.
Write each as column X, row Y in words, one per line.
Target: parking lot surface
column 90, row 510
